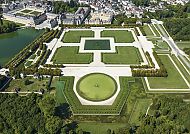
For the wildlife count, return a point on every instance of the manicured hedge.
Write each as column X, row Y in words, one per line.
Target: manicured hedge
column 78, row 108
column 148, row 71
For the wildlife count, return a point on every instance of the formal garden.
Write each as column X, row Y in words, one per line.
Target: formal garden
column 61, row 110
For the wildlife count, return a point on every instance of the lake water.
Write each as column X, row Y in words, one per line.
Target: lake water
column 12, row 43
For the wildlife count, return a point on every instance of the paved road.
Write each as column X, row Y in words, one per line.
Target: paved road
column 173, row 45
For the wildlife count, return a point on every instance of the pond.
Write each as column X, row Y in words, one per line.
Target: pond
column 12, row 43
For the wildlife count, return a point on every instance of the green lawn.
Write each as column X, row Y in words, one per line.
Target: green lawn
column 32, row 56
column 96, row 87
column 35, row 85
column 35, row 13
column 28, row 63
column 120, row 36
column 174, row 79
column 155, row 31
column 75, row 36
column 183, row 44
column 99, row 128
column 160, row 30
column 124, row 55
column 26, row 11
column 59, row 86
column 154, row 39
column 188, row 15
column 141, row 106
column 147, row 30
column 162, row 45
column 182, row 69
column 70, row 55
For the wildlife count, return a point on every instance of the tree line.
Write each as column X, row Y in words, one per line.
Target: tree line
column 34, row 114
column 62, row 7
column 168, row 115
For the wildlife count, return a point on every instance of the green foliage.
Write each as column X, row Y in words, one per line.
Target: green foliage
column 53, row 124
column 187, row 51
column 141, row 2
column 6, row 27
column 176, row 11
column 2, row 80
column 171, row 115
column 32, row 114
column 61, row 7
column 21, row 114
column 47, row 105
column 137, row 71
column 178, row 28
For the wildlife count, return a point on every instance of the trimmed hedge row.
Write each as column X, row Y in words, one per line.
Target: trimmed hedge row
column 78, row 108
column 32, row 71
column 149, row 71
column 54, row 65
column 99, row 25
column 142, row 30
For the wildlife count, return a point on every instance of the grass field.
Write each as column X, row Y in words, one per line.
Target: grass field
column 183, row 44
column 60, row 99
column 154, row 40
column 182, row 69
column 120, row 36
column 124, row 55
column 70, row 55
column 147, row 30
column 155, row 31
column 141, row 106
column 75, row 36
column 97, row 45
column 100, row 128
column 35, row 84
column 162, row 29
column 26, row 11
column 35, row 13
column 77, row 108
column 33, row 56
column 28, row 63
column 96, row 87
column 162, row 45
column 174, row 79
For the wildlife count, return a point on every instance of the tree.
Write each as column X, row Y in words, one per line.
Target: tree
column 109, row 131
column 47, row 105
column 27, row 82
column 1, row 15
column 53, row 124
